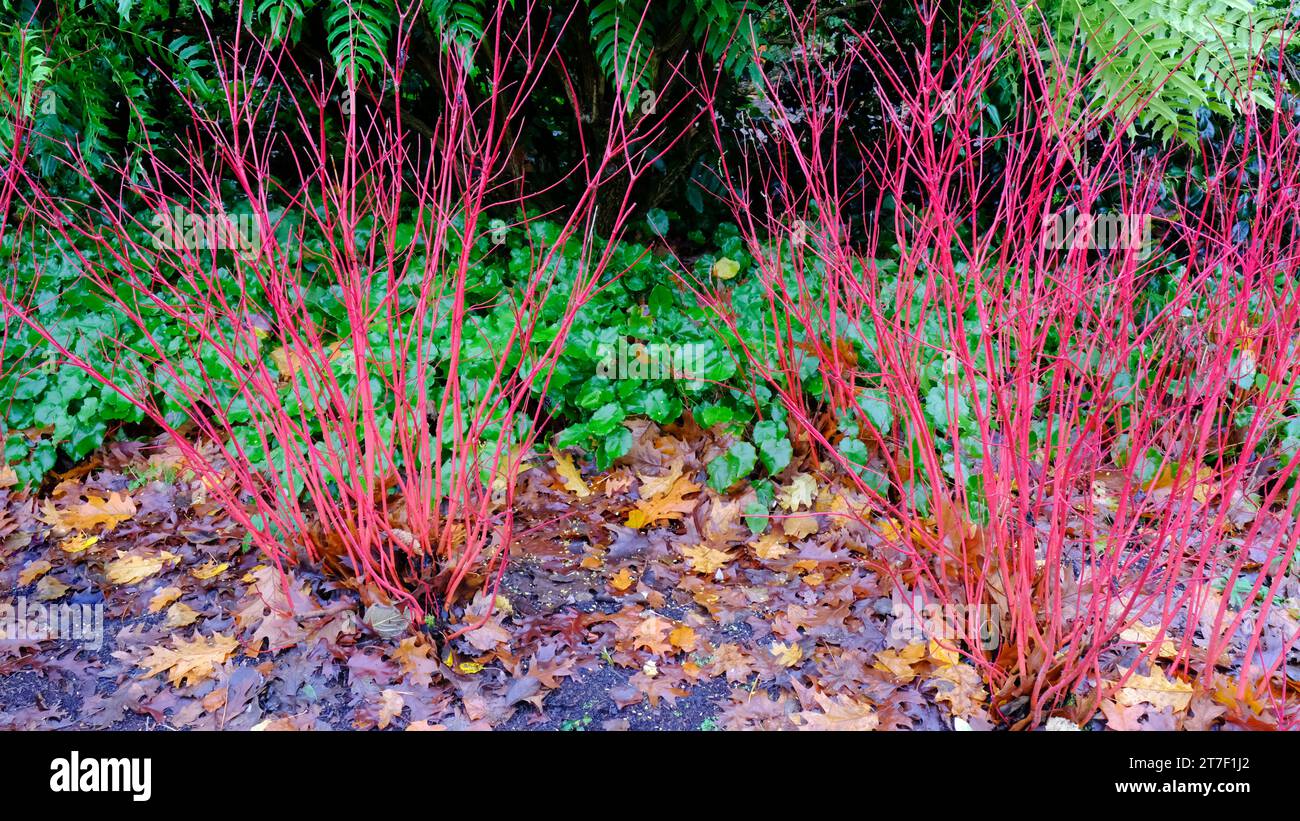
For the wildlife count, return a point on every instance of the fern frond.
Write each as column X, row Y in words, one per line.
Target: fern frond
column 283, row 18
column 357, row 33
column 619, row 34
column 1164, row 60
column 460, row 22
column 724, row 29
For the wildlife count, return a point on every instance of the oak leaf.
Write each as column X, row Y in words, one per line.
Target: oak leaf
column 799, row 492
column 770, row 547
column 49, row 588
column 417, row 659
column 163, row 597
column 390, row 707
column 131, row 568
column 706, row 560
column 942, row 654
column 269, row 613
column 799, row 527
column 96, row 512
column 899, row 664
column 839, row 713
column 683, row 638
column 33, row 571
column 190, row 661
column 210, row 569
column 77, row 544
column 672, row 504
column 1119, row 717
column 652, row 634
column 652, row 486
column 622, row 581
column 1203, row 713
column 180, row 615
column 1145, row 634
column 730, row 660
column 573, row 481
column 1155, row 689
column 655, row 689
column 787, row 655
column 488, row 636
column 961, row 687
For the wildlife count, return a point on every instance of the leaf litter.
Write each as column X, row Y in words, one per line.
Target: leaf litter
column 637, row 599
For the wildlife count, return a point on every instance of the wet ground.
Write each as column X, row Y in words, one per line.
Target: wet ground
column 588, row 705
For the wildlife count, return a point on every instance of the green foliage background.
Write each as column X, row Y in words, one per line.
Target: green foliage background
column 106, row 76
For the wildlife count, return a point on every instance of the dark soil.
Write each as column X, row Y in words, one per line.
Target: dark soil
column 587, row 705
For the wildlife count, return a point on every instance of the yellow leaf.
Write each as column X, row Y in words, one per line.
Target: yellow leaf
column 390, row 707
column 838, row 713
column 899, row 664
column 622, row 581
column 569, row 473
column 469, row 668
column 683, row 638
column 210, row 569
column 786, row 655
column 652, row 486
column 1145, row 634
column 799, row 527
column 726, row 268
column 943, row 655
column 286, row 362
column 961, row 687
column 890, row 530
column 770, row 547
column 96, row 512
column 1226, row 694
column 1168, row 483
column 49, row 589
column 130, row 568
column 800, row 492
column 1155, row 689
column 190, row 661
column 163, row 597
column 180, row 615
column 671, row 504
column 637, row 519
column 77, row 544
column 706, row 560
column 33, row 571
